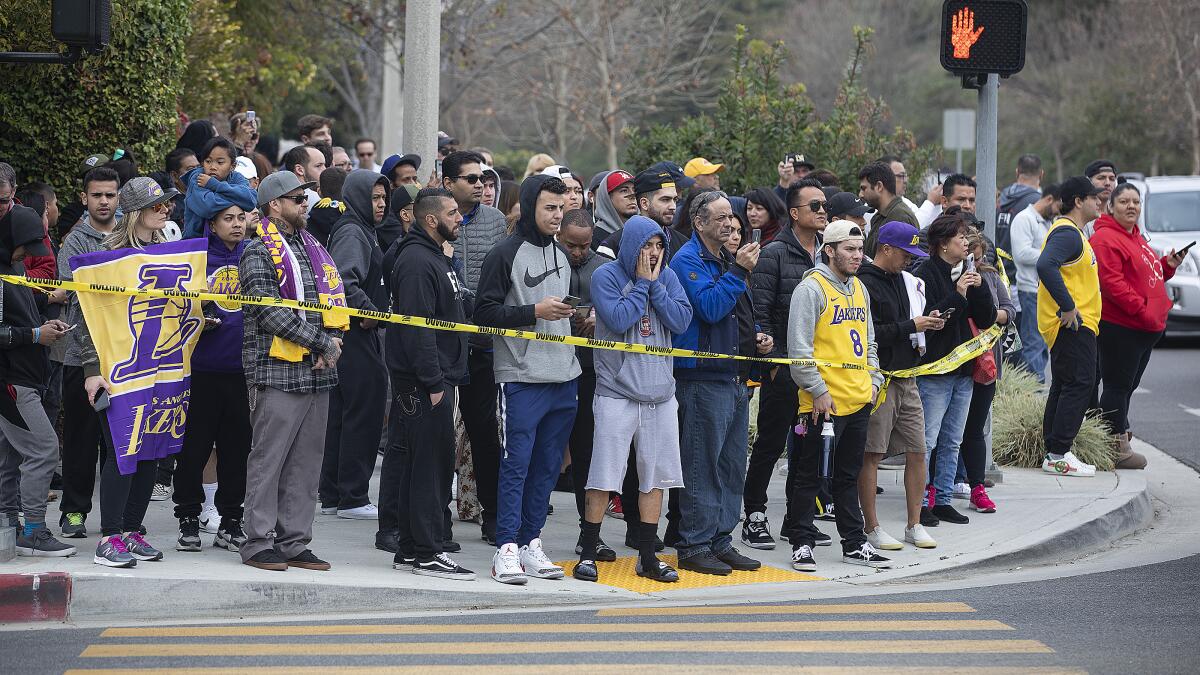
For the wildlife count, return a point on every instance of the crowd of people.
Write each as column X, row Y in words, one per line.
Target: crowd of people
column 290, row 410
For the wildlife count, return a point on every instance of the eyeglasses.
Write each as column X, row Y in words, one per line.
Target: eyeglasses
column 815, row 206
column 298, row 199
column 470, row 178
column 902, row 176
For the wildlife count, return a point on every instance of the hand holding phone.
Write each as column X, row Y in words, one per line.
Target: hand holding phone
column 572, row 301
column 756, row 235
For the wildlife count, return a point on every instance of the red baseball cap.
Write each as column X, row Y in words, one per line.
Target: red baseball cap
column 616, row 179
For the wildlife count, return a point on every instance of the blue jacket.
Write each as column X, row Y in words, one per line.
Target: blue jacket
column 220, row 349
column 635, row 310
column 203, row 203
column 713, row 287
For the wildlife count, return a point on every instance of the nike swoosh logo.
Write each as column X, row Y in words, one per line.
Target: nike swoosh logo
column 532, row 281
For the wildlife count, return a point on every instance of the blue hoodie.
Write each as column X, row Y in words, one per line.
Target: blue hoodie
column 220, row 349
column 713, row 286
column 202, row 204
column 630, row 309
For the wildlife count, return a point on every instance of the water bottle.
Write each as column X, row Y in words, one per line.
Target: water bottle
column 827, row 449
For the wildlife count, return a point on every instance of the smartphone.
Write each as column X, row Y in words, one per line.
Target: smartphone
column 71, row 327
column 969, row 266
column 948, row 313
column 1185, row 249
column 102, row 401
column 572, row 301
column 437, row 167
column 250, row 115
column 756, row 235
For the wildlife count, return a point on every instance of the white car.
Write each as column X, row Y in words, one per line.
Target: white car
column 1171, row 220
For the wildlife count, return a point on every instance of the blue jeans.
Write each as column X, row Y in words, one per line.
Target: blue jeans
column 714, row 423
column 946, row 399
column 1033, row 347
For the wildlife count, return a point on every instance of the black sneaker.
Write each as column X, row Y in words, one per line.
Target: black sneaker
column 756, row 532
column 41, row 544
column 268, row 560
column 308, row 561
column 822, row 539
column 451, row 546
column 928, row 519
column 705, row 563
column 737, row 561
column 443, row 567
column 803, row 560
column 72, row 526
column 230, row 535
column 950, row 515
column 585, row 570
column 403, row 561
column 604, row 552
column 189, row 535
column 387, row 541
column 866, row 555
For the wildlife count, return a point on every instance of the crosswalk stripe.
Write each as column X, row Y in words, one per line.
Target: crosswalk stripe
column 850, row 626
column 923, row 647
column 569, row 669
column 847, row 608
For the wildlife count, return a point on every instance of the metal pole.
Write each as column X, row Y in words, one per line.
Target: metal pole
column 985, row 154
column 422, row 52
column 958, row 160
column 392, row 114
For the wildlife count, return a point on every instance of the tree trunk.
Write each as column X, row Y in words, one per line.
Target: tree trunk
column 560, row 117
column 1058, row 163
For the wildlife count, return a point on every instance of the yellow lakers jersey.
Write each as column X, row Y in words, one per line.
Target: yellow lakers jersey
column 1083, row 283
column 841, row 336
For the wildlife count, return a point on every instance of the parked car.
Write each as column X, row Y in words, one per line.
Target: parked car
column 1171, row 220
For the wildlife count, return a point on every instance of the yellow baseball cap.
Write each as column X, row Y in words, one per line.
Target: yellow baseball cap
column 699, row 166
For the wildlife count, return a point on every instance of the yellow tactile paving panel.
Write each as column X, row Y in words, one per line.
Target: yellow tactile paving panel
column 621, row 573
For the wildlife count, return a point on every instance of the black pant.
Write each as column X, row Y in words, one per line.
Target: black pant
column 356, row 411
column 123, row 498
column 581, row 439
column 218, row 412
column 776, row 417
column 974, row 444
column 477, row 401
column 850, row 439
column 164, row 470
column 1073, row 372
column 425, row 449
column 1124, row 355
column 82, row 444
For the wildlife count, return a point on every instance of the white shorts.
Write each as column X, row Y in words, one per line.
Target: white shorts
column 653, row 428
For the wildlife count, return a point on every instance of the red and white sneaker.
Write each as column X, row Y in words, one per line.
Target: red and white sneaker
column 930, row 494
column 1069, row 465
column 615, row 510
column 980, row 501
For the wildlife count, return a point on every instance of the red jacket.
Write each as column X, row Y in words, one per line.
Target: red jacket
column 1132, row 277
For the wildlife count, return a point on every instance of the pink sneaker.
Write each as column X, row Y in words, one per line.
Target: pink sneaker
column 980, row 501
column 930, row 494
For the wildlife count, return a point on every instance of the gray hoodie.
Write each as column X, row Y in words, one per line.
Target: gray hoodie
column 808, row 302
column 83, row 238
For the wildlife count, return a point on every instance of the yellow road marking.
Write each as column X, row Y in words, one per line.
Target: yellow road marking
column 847, row 608
column 924, row 647
column 868, row 626
column 572, row 668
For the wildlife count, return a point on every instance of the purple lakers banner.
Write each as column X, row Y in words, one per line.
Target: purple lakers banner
column 145, row 344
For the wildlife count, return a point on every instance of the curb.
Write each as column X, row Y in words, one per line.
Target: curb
column 26, row 598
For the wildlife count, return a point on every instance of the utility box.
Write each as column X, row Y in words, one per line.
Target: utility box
column 8, row 543
column 82, row 23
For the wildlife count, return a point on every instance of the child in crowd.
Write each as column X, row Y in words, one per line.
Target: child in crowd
column 214, row 186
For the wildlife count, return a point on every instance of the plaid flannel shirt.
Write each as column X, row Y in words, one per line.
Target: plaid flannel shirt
column 257, row 276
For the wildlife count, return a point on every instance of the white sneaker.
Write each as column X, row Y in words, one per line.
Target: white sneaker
column 961, row 491
column 364, row 512
column 210, row 520
column 536, row 564
column 161, row 493
column 882, row 540
column 917, row 536
column 1069, row 465
column 506, row 566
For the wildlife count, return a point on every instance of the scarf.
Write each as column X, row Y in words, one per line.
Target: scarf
column 291, row 284
column 916, row 307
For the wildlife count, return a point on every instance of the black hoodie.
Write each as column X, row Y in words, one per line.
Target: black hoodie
column 354, row 244
column 889, row 313
column 427, row 286
column 22, row 361
column 941, row 294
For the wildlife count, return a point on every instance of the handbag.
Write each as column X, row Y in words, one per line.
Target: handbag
column 984, row 369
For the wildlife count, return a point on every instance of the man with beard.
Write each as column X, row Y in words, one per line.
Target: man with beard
column 655, row 195
column 615, row 204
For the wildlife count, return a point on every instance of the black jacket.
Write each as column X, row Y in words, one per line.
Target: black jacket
column 426, row 285
column 889, row 313
column 781, row 266
column 941, row 294
column 22, row 361
column 354, row 244
column 581, row 287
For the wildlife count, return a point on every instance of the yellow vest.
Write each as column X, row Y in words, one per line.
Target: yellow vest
column 1083, row 283
column 841, row 336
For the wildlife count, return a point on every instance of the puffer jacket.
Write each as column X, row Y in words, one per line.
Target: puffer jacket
column 781, row 266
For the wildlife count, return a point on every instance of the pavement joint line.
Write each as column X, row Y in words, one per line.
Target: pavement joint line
column 822, row 626
column 509, row 648
column 826, row 608
column 574, row 668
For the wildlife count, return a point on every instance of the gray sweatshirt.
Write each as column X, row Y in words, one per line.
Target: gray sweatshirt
column 83, row 238
column 808, row 302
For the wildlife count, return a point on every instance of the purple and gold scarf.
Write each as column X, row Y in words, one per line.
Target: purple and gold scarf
column 291, row 285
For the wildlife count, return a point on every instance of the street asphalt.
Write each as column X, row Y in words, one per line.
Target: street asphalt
column 1165, row 411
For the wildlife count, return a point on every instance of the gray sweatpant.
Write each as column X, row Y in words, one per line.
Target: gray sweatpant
column 30, row 446
column 283, row 470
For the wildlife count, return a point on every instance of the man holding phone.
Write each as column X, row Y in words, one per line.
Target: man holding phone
column 1069, row 320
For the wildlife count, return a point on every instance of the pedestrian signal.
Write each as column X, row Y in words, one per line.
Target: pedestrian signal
column 984, row 36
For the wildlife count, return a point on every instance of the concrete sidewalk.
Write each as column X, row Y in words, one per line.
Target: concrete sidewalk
column 1040, row 517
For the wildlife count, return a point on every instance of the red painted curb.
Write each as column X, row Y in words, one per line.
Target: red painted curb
column 34, row 597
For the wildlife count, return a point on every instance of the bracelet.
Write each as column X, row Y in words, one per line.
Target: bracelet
column 37, row 334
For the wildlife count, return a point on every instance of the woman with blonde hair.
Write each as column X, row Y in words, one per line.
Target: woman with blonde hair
column 537, row 164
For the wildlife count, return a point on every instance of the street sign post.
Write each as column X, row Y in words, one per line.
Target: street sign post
column 958, row 132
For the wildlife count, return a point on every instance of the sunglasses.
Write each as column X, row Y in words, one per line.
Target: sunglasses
column 162, row 206
column 470, row 178
column 298, row 199
column 815, row 206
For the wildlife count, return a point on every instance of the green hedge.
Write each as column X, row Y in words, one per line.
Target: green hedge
column 54, row 116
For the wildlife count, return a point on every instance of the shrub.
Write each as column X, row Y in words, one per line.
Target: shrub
column 1017, row 426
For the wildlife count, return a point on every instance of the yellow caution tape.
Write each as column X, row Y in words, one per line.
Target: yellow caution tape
column 1001, row 253
column 938, row 367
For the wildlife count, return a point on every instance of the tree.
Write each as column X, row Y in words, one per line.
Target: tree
column 1175, row 38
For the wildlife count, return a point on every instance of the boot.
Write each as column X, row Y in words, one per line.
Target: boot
column 1126, row 457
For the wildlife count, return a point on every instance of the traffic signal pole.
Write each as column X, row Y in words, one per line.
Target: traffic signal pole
column 986, row 120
